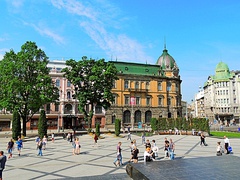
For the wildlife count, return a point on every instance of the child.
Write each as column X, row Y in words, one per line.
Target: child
column 219, row 149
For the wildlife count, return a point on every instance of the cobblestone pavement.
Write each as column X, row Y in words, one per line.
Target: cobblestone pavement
column 95, row 162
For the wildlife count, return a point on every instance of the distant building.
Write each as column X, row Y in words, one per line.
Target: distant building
column 222, row 95
column 199, row 108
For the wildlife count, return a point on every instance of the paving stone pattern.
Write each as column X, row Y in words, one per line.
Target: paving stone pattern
column 58, row 162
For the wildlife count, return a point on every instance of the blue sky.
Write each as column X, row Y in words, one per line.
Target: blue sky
column 199, row 34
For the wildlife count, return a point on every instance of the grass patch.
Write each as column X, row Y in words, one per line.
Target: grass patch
column 220, row 134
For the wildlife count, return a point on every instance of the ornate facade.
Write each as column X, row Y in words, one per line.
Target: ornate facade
column 221, row 95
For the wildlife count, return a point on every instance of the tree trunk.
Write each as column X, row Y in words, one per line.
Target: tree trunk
column 24, row 126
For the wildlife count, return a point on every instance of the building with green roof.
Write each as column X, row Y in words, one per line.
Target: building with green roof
column 221, row 95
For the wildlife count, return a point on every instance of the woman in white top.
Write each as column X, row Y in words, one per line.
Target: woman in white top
column 44, row 140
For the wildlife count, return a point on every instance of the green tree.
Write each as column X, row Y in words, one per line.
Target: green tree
column 93, row 82
column 16, row 125
column 42, row 124
column 25, row 83
column 117, row 126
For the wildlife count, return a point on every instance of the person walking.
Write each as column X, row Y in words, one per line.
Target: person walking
column 95, row 139
column 227, row 144
column 3, row 160
column 118, row 160
column 202, row 138
column 10, row 147
column 37, row 140
column 40, row 145
column 19, row 145
column 53, row 138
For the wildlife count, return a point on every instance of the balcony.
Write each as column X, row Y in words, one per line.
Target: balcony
column 138, row 90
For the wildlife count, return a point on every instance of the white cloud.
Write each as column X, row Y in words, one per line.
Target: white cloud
column 45, row 31
column 2, row 52
column 97, row 25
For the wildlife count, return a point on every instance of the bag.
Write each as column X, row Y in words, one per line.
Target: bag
column 79, row 146
column 229, row 148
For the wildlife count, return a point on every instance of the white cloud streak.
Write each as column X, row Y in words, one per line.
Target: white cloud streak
column 2, row 52
column 97, row 25
column 45, row 31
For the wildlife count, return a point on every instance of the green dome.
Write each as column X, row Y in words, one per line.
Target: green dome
column 166, row 61
column 222, row 72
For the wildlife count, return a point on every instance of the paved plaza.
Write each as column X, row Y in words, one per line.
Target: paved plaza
column 58, row 162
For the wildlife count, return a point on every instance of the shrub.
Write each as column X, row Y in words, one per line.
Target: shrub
column 98, row 129
column 42, row 124
column 117, row 126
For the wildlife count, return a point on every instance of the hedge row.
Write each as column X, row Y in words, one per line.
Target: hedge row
column 199, row 124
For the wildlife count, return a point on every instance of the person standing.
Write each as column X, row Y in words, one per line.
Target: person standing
column 77, row 144
column 3, row 160
column 10, row 148
column 40, row 145
column 37, row 140
column 19, row 145
column 227, row 144
column 135, row 153
column 53, row 138
column 143, row 138
column 44, row 141
column 171, row 149
column 166, row 147
column 118, row 160
column 129, row 136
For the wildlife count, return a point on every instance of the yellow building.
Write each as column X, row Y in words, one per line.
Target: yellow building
column 146, row 91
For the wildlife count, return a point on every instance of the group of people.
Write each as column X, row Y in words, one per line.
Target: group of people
column 150, row 153
column 227, row 147
column 10, row 147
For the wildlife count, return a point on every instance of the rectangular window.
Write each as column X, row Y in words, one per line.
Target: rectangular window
column 160, row 99
column 148, row 101
column 136, row 85
column 98, row 109
column 138, row 100
column 114, row 99
column 68, row 84
column 147, row 85
column 58, row 83
column 169, row 86
column 126, row 84
column 56, row 107
column 159, row 86
column 126, row 100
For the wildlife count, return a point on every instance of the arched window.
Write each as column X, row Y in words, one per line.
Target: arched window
column 137, row 85
column 127, row 117
column 137, row 116
column 69, row 95
column 68, row 109
column 148, row 116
